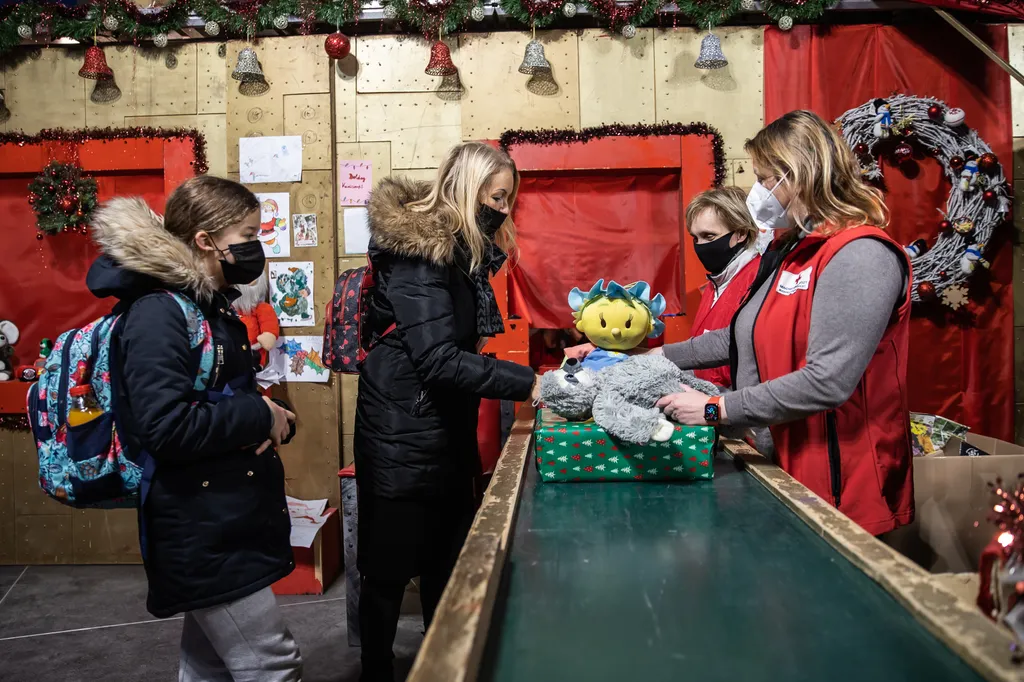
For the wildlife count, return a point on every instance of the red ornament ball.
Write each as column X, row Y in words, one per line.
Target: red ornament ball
column 935, row 112
column 903, row 152
column 943, row 275
column 989, row 196
column 39, row 236
column 337, row 46
column 68, row 202
column 988, row 163
column 860, row 149
column 956, row 163
column 926, row 290
column 945, row 226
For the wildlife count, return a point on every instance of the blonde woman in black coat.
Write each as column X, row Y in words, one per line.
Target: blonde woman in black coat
column 433, row 247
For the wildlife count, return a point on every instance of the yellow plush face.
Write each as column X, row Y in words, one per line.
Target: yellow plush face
column 615, row 324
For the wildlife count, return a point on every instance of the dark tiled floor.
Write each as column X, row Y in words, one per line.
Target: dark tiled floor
column 116, row 640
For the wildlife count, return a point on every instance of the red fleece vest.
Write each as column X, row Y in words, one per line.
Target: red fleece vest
column 858, row 455
column 712, row 315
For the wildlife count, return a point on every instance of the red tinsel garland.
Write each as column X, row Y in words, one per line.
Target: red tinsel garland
column 14, row 422
column 514, row 137
column 199, row 163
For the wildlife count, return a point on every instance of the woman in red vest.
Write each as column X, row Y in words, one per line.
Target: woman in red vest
column 725, row 240
column 819, row 347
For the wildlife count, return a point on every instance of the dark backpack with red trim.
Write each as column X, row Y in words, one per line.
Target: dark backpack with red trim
column 345, row 345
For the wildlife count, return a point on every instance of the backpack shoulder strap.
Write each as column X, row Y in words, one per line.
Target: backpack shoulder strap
column 199, row 335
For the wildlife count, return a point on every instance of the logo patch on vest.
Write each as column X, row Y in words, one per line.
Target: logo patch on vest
column 791, row 282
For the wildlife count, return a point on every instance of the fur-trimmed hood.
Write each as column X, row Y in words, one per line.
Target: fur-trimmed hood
column 398, row 230
column 140, row 255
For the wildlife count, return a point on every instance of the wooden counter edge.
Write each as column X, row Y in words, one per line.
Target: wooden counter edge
column 981, row 643
column 454, row 644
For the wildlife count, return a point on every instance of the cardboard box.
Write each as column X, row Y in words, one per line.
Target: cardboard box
column 953, row 500
column 316, row 567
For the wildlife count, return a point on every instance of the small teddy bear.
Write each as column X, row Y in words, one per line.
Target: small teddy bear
column 8, row 337
column 617, row 389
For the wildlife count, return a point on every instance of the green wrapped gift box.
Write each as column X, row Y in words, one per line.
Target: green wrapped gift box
column 583, row 451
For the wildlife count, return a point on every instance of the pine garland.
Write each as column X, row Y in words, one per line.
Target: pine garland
column 797, row 10
column 433, row 20
column 708, row 13
column 539, row 13
column 615, row 15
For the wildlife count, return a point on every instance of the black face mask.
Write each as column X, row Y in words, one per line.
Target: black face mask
column 248, row 265
column 490, row 220
column 716, row 255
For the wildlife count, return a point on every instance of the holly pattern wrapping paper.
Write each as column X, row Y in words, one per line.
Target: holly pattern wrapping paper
column 583, row 451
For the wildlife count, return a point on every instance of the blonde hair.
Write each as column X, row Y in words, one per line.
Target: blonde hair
column 730, row 205
column 207, row 204
column 457, row 194
column 821, row 170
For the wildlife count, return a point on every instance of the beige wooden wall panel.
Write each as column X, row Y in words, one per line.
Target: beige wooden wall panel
column 211, row 79
column 106, row 537
column 42, row 527
column 309, row 117
column 730, row 98
column 390, row 63
column 212, row 126
column 45, row 91
column 1015, row 36
column 496, row 97
column 616, row 78
column 294, row 65
column 418, row 174
column 345, row 74
column 148, row 86
column 421, row 127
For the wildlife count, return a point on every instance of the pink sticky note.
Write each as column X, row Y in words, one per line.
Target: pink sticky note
column 355, row 180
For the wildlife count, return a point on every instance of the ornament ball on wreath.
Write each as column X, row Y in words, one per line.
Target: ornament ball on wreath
column 62, row 198
column 978, row 199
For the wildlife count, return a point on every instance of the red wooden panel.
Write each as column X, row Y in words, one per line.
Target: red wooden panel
column 611, row 153
column 698, row 174
column 178, row 158
column 122, row 155
column 13, row 396
column 19, row 160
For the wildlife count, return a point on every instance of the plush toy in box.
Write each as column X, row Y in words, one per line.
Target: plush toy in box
column 608, row 400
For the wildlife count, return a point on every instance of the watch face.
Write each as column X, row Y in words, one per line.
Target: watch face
column 711, row 413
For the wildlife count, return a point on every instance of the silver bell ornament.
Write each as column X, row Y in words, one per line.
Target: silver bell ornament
column 212, row 28
column 628, row 31
column 569, row 10
column 534, row 60
column 711, row 55
column 248, row 66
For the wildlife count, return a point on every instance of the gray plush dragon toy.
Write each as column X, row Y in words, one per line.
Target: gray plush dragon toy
column 619, row 391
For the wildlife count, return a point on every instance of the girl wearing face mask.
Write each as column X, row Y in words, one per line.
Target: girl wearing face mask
column 725, row 240
column 433, row 248
column 819, row 347
column 213, row 521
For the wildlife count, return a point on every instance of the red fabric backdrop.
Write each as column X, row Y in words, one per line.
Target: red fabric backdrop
column 42, row 282
column 961, row 372
column 620, row 225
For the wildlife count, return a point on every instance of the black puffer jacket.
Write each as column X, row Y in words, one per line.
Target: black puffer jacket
column 420, row 387
column 216, row 522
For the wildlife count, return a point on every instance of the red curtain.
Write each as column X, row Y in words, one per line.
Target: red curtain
column 42, row 282
column 963, row 372
column 574, row 229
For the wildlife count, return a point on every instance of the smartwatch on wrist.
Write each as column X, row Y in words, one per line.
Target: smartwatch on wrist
column 713, row 411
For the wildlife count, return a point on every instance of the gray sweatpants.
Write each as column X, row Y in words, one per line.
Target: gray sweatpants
column 242, row 641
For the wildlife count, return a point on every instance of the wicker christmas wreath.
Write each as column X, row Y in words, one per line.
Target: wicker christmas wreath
column 900, row 128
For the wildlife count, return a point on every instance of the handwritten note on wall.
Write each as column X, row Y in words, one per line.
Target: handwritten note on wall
column 355, row 180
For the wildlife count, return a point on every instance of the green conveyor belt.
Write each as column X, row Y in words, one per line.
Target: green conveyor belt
column 713, row 580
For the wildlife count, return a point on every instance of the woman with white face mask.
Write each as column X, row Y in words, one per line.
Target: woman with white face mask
column 818, row 350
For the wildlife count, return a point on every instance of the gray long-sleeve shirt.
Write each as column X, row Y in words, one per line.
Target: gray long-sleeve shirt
column 854, row 299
